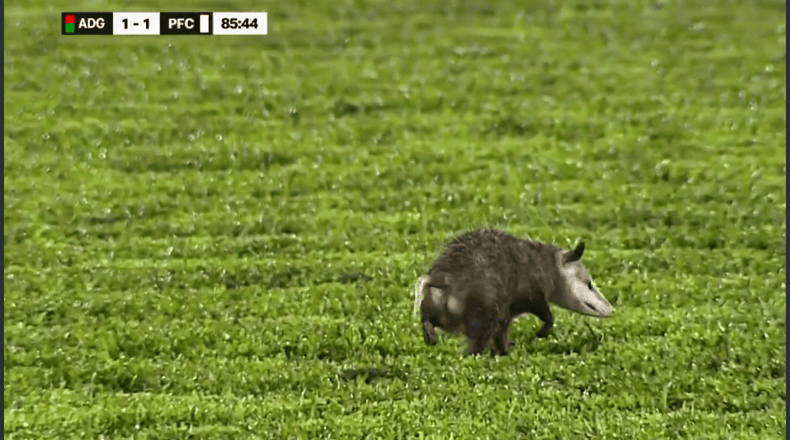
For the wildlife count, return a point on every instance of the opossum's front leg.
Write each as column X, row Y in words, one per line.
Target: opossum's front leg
column 429, row 332
column 544, row 313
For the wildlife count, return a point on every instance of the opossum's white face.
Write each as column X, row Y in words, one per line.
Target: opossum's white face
column 578, row 293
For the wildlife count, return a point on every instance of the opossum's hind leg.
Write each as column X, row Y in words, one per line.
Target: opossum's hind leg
column 431, row 311
column 481, row 322
column 479, row 337
column 429, row 332
column 477, row 346
column 501, row 346
column 544, row 313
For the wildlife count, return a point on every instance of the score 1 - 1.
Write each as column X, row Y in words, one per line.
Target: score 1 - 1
column 239, row 23
column 135, row 23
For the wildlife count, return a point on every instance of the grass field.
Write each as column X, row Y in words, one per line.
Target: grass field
column 217, row 237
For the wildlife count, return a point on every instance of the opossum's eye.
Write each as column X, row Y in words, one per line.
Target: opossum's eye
column 589, row 285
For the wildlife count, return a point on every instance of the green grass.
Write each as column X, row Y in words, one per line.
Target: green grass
column 204, row 235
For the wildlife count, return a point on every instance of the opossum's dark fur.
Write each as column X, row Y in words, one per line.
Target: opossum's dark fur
column 482, row 280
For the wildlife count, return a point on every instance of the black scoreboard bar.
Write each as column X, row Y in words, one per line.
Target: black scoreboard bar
column 164, row 23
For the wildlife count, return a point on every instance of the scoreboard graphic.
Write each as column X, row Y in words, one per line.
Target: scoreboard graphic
column 164, row 23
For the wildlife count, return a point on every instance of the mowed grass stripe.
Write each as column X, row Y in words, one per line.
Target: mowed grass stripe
column 264, row 371
column 146, row 409
column 158, row 330
column 258, row 256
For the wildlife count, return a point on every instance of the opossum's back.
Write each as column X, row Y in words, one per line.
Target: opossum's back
column 482, row 252
column 482, row 238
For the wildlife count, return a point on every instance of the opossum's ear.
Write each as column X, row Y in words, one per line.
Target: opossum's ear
column 573, row 255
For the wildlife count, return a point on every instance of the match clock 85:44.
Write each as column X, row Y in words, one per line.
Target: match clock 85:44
column 239, row 23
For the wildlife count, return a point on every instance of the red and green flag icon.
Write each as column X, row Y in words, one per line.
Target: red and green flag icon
column 70, row 20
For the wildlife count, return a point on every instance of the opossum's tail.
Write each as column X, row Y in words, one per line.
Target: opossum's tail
column 438, row 280
column 419, row 292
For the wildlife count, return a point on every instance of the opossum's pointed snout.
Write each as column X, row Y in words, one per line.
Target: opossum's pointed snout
column 600, row 308
column 585, row 300
column 598, row 305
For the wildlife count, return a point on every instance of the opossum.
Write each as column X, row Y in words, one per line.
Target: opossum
column 486, row 277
